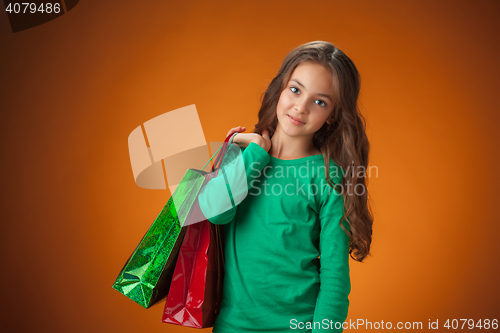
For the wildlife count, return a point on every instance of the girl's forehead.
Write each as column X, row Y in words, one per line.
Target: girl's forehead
column 314, row 77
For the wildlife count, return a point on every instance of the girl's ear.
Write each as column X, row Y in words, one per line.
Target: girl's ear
column 328, row 124
column 331, row 119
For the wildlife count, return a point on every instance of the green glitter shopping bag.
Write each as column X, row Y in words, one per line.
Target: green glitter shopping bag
column 146, row 276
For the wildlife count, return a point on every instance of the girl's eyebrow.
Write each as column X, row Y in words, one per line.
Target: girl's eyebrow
column 300, row 84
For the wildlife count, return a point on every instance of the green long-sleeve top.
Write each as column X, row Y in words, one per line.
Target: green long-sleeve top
column 286, row 256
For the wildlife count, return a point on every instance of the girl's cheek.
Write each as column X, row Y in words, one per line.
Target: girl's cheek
column 285, row 100
column 282, row 100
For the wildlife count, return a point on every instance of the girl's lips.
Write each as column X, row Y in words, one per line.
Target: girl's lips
column 295, row 122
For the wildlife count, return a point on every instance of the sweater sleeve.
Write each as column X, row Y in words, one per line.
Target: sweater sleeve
column 335, row 285
column 220, row 196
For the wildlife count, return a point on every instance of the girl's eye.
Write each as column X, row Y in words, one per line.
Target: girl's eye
column 323, row 103
column 296, row 90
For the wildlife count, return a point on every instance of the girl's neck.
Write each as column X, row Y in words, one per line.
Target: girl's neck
column 291, row 147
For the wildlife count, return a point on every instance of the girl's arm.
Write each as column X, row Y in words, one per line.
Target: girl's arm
column 335, row 285
column 219, row 198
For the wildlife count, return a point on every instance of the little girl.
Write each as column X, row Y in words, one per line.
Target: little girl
column 293, row 201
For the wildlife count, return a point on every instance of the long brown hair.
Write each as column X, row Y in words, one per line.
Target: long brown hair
column 344, row 141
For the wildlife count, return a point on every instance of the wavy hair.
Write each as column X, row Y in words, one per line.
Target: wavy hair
column 344, row 141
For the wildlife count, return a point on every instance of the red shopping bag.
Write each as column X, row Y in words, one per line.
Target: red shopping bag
column 195, row 293
column 196, row 289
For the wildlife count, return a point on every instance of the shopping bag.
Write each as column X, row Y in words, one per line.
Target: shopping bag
column 146, row 276
column 196, row 290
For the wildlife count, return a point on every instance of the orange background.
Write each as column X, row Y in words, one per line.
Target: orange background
column 74, row 88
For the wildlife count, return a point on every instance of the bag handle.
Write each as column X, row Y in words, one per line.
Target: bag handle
column 219, row 158
column 211, row 158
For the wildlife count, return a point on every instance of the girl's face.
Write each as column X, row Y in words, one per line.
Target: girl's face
column 307, row 100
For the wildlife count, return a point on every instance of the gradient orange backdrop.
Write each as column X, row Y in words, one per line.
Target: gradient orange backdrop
column 74, row 88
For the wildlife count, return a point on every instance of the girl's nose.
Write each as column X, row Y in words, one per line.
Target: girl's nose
column 301, row 105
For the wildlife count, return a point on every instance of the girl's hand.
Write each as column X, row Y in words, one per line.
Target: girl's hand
column 241, row 139
column 244, row 139
column 234, row 130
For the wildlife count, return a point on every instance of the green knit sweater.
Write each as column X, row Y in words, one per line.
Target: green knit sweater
column 286, row 256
